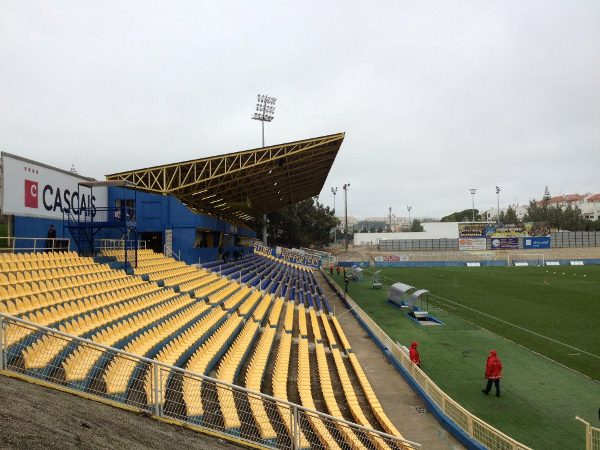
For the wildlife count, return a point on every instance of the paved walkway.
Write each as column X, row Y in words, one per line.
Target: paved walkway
column 398, row 399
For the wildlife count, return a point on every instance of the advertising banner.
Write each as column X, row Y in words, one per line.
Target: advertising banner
column 472, row 230
column 536, row 242
column 471, row 244
column 390, row 258
column 509, row 243
column 518, row 230
column 36, row 190
column 297, row 258
column 262, row 249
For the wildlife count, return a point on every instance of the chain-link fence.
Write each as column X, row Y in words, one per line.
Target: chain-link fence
column 81, row 365
column 483, row 432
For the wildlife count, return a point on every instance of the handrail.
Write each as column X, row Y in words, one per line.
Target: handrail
column 7, row 318
column 56, row 244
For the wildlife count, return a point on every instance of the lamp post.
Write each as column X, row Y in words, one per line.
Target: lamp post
column 498, row 195
column 408, row 208
column 473, row 190
column 345, row 188
column 265, row 112
column 334, row 191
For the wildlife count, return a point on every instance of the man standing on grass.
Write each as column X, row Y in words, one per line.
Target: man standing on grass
column 493, row 373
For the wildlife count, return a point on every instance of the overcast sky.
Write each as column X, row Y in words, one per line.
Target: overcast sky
column 434, row 97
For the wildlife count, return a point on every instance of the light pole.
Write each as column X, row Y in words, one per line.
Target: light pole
column 408, row 208
column 334, row 191
column 345, row 188
column 498, row 195
column 390, row 219
column 473, row 190
column 265, row 111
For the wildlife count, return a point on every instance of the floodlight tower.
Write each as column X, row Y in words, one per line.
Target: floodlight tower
column 408, row 208
column 390, row 208
column 345, row 188
column 265, row 111
column 334, row 191
column 473, row 190
column 498, row 195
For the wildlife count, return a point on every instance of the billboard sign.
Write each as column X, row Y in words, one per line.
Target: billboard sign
column 390, row 258
column 472, row 230
column 509, row 243
column 37, row 190
column 536, row 242
column 471, row 243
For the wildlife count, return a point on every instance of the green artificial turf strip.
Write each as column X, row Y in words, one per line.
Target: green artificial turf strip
column 540, row 398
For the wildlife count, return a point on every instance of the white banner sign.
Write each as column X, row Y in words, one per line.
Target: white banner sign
column 471, row 244
column 391, row 258
column 35, row 190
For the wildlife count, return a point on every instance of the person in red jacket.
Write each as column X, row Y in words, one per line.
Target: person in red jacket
column 414, row 354
column 493, row 373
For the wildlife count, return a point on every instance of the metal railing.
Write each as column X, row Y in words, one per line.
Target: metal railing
column 592, row 435
column 26, row 244
column 478, row 429
column 171, row 392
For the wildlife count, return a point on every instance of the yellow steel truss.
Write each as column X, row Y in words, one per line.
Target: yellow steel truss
column 247, row 183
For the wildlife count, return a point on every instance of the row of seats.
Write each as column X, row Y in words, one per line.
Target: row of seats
column 226, row 371
column 58, row 314
column 279, row 380
column 174, row 351
column 125, row 314
column 78, row 364
column 103, row 283
column 215, row 327
column 306, row 397
column 200, row 363
column 51, row 273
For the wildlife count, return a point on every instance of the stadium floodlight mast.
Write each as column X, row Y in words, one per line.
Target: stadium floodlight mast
column 345, row 188
column 498, row 195
column 408, row 208
column 265, row 111
column 473, row 190
column 334, row 192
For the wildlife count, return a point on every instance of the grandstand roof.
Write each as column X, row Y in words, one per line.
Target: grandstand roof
column 240, row 185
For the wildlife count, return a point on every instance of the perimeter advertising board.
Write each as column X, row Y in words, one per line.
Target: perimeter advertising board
column 510, row 243
column 471, row 236
column 536, row 242
column 36, row 190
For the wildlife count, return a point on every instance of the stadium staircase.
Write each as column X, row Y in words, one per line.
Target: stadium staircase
column 257, row 322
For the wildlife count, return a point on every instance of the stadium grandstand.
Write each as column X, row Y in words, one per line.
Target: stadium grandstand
column 152, row 293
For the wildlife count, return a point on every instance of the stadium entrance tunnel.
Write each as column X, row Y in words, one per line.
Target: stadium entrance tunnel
column 154, row 240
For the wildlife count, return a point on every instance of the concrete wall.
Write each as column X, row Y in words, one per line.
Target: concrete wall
column 434, row 230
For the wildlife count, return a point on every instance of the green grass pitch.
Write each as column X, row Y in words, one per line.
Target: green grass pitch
column 543, row 321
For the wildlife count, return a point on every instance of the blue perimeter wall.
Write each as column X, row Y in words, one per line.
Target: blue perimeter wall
column 154, row 213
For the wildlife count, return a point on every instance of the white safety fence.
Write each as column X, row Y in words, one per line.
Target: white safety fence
column 592, row 435
column 480, row 430
column 80, row 365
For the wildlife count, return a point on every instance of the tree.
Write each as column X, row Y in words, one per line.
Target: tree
column 509, row 217
column 462, row 216
column 416, row 225
column 301, row 225
column 546, row 198
column 569, row 218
